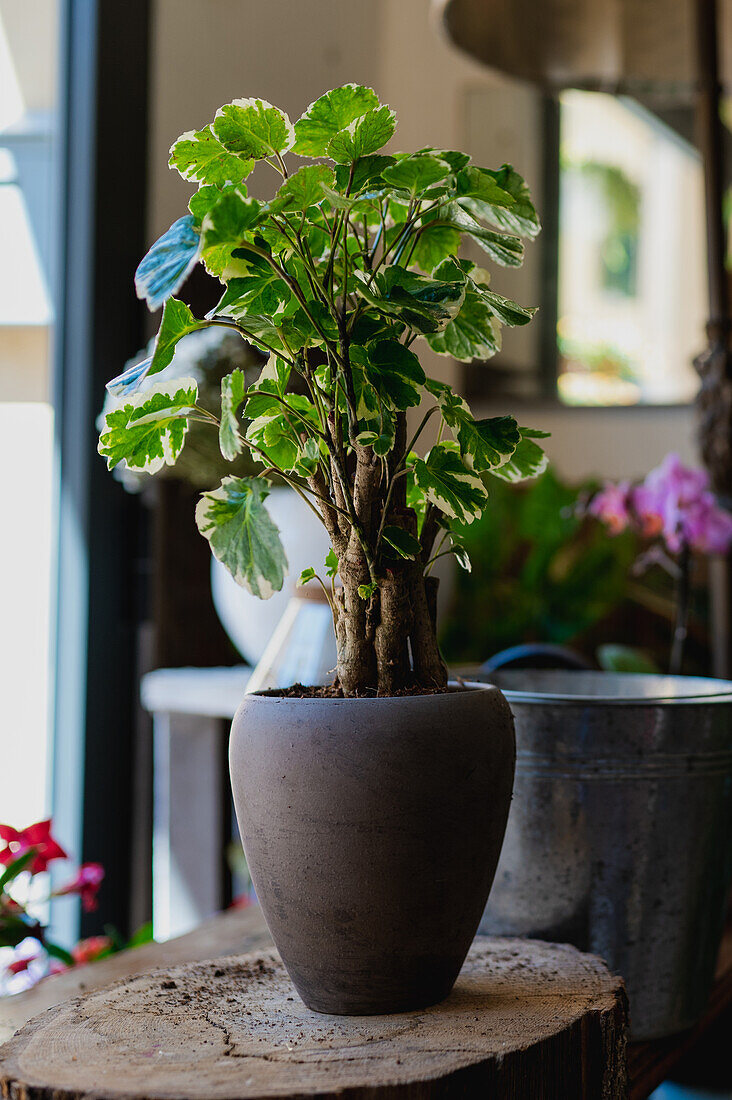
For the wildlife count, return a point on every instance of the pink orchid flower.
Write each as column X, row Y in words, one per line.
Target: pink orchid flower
column 86, row 884
column 612, row 506
column 37, row 837
column 88, row 950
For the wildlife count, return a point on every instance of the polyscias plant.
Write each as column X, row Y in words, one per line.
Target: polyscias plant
column 352, row 260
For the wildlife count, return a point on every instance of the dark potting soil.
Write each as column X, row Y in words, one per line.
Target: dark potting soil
column 334, row 691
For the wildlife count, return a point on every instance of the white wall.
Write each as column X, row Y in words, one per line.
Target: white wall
column 207, row 52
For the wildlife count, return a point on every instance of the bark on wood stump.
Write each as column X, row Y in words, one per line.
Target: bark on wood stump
column 525, row 1020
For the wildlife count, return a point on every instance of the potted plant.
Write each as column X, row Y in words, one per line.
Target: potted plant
column 372, row 810
column 620, row 834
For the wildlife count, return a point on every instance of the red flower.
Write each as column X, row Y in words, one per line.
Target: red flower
column 86, row 884
column 19, row 965
column 87, row 951
column 37, row 837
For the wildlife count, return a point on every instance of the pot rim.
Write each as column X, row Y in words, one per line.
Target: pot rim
column 455, row 687
column 631, row 689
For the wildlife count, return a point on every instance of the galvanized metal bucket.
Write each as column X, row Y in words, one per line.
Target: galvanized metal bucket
column 619, row 838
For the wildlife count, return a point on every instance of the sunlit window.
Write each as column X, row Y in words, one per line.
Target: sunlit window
column 632, row 289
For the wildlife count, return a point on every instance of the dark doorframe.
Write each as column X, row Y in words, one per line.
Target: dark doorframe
column 101, row 536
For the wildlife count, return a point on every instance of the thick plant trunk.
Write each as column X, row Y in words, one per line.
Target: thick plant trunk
column 387, row 645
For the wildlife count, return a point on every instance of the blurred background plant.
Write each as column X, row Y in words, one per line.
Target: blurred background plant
column 28, row 952
column 544, row 570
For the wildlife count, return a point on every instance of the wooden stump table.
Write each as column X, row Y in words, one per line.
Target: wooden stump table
column 526, row 1021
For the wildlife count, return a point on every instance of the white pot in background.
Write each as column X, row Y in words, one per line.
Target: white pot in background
column 250, row 622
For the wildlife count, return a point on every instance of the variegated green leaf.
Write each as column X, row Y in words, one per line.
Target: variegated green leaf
column 225, row 227
column 253, row 128
column 401, row 542
column 233, row 387
column 201, row 158
column 334, row 111
column 527, row 461
column 303, row 189
column 394, row 372
column 363, row 136
column 147, row 431
column 242, row 535
column 449, row 484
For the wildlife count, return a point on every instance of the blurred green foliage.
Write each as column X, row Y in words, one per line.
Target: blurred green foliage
column 540, row 572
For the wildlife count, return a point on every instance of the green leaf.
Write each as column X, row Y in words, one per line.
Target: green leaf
column 504, row 309
column 276, row 371
column 331, row 563
column 242, row 536
column 261, row 290
column 253, row 128
column 60, row 953
column 449, row 484
column 205, row 198
column 307, row 575
column 366, row 170
column 168, row 263
column 277, row 430
column 462, row 557
column 199, row 157
column 394, row 372
column 334, row 111
column 365, row 135
column 501, row 247
column 405, row 545
column 226, row 226
column 177, row 322
column 521, row 217
column 480, row 187
column 527, row 461
column 471, row 335
column 625, row 658
column 426, row 305
column 434, row 244
column 148, row 431
column 484, row 444
column 233, row 387
column 417, row 173
column 144, row 934
column 303, row 189
column 366, row 591
column 15, row 867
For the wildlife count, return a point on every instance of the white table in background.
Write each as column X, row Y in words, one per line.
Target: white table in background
column 191, row 709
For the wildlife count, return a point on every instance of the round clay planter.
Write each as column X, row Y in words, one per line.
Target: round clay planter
column 372, row 829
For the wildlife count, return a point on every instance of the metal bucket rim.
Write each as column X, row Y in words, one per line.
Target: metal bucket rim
column 694, row 689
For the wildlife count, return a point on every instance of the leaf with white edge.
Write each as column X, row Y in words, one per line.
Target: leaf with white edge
column 366, row 591
column 462, row 557
column 478, row 191
column 233, row 387
column 226, row 226
column 242, row 535
column 148, row 430
column 331, row 563
column 449, row 484
column 277, row 431
column 426, row 305
column 260, row 290
column 394, row 371
column 400, row 541
column 168, row 263
column 306, row 576
column 365, row 135
column 471, row 335
column 416, row 173
column 303, row 189
column 333, row 112
column 484, row 444
column 503, row 248
column 199, row 157
column 521, row 217
column 276, row 371
column 527, row 461
column 253, row 128
column 505, row 310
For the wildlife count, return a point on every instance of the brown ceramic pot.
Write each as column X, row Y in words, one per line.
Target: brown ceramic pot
column 372, row 829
